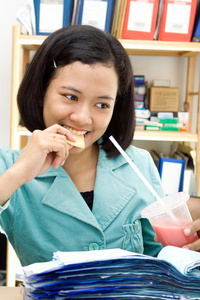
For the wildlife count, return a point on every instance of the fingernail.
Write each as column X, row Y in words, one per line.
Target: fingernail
column 62, row 163
column 187, row 231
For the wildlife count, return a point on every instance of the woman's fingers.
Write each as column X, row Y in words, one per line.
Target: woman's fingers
column 54, row 142
column 192, row 229
column 60, row 130
column 45, row 148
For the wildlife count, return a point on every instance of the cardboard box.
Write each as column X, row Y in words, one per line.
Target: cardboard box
column 164, row 99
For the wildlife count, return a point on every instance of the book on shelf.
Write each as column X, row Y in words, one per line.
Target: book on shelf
column 125, row 19
column 140, row 92
column 118, row 18
column 96, row 13
column 177, row 20
column 52, row 15
column 140, row 19
column 196, row 31
column 159, row 16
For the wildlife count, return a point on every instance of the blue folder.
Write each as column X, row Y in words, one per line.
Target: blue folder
column 67, row 14
column 128, row 276
column 109, row 14
column 196, row 35
column 167, row 169
column 196, row 32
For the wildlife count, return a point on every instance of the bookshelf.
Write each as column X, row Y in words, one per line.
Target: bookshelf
column 24, row 45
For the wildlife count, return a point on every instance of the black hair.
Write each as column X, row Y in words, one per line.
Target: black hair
column 88, row 45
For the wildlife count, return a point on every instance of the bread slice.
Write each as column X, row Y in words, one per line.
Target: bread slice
column 80, row 142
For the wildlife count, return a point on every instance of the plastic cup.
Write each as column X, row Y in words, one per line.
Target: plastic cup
column 169, row 218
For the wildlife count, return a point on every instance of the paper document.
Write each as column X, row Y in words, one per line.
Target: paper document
column 178, row 18
column 94, row 13
column 115, row 274
column 140, row 16
column 51, row 15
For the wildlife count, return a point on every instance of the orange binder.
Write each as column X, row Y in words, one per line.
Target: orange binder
column 140, row 19
column 177, row 20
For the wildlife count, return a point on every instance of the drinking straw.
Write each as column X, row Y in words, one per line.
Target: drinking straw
column 131, row 163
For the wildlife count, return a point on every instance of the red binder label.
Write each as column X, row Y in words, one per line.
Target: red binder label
column 177, row 20
column 140, row 19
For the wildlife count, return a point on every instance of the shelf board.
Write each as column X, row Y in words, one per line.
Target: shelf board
column 145, row 135
column 133, row 47
column 180, row 136
column 161, row 48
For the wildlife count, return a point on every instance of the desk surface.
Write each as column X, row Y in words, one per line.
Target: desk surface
column 10, row 293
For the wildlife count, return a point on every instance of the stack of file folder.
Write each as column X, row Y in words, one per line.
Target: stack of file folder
column 115, row 274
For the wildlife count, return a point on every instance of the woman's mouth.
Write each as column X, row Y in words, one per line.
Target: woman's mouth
column 75, row 131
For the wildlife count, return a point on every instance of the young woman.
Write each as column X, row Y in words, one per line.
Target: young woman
column 54, row 196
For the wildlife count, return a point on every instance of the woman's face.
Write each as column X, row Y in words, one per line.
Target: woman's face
column 81, row 97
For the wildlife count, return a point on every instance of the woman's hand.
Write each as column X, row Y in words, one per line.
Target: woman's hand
column 194, row 207
column 45, row 149
column 194, row 227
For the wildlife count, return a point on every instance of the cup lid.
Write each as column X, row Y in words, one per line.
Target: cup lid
column 168, row 203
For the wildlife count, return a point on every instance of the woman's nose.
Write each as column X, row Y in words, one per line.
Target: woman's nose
column 81, row 115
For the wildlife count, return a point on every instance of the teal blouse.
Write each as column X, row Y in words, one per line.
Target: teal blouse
column 49, row 214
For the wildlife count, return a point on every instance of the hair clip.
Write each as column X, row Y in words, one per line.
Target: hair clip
column 54, row 64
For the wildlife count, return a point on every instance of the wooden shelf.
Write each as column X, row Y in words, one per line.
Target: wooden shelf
column 133, row 47
column 165, row 136
column 161, row 48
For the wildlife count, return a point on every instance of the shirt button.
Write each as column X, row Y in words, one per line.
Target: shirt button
column 93, row 246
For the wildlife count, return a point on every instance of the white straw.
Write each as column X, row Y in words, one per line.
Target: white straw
column 140, row 174
column 135, row 168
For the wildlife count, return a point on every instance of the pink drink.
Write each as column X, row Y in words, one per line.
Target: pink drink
column 173, row 234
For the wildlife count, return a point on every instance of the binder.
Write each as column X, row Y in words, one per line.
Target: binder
column 177, row 20
column 196, row 36
column 118, row 18
column 97, row 13
column 140, row 19
column 75, row 13
column 171, row 172
column 196, row 32
column 114, row 274
column 50, row 16
column 160, row 10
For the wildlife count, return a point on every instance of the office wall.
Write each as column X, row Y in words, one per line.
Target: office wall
column 8, row 11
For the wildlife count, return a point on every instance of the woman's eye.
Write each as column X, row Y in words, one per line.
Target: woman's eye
column 102, row 105
column 71, row 97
